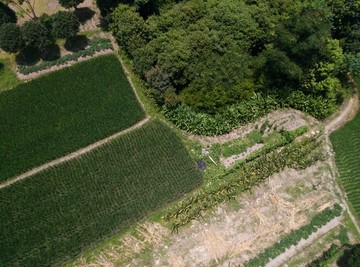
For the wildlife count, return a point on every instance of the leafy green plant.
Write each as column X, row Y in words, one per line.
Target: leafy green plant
column 242, row 177
column 295, row 236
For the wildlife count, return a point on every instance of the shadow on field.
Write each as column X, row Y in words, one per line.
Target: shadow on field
column 76, row 43
column 84, row 14
column 51, row 52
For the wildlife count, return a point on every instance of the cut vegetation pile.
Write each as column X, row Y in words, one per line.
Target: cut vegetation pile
column 58, row 113
column 56, row 214
column 346, row 143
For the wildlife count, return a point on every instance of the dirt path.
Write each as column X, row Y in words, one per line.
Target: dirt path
column 72, row 155
column 290, row 252
column 347, row 112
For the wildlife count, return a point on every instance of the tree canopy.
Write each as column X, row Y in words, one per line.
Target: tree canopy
column 10, row 38
column 216, row 53
column 35, row 34
column 64, row 25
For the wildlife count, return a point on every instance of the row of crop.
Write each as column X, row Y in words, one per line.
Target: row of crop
column 295, row 154
column 95, row 45
column 62, row 211
column 63, row 111
column 295, row 236
column 287, row 138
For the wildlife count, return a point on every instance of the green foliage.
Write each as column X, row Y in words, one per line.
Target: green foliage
column 35, row 34
column 64, row 25
column 129, row 28
column 346, row 142
column 232, row 117
column 215, row 54
column 353, row 63
column 343, row 236
column 11, row 39
column 354, row 256
column 95, row 45
column 63, row 211
column 240, row 145
column 295, row 236
column 70, row 3
column 53, row 115
column 244, row 175
column 8, row 77
column 327, row 255
column 7, row 15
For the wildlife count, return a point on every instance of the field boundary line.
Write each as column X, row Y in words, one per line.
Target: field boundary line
column 127, row 74
column 72, row 155
column 37, row 74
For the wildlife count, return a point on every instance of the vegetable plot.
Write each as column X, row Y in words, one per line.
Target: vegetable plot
column 58, row 113
column 56, row 214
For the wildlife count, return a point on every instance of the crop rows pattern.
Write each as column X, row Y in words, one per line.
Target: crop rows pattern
column 58, row 113
column 56, row 214
column 346, row 143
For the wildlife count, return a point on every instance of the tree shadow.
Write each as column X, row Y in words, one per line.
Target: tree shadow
column 29, row 56
column 2, row 67
column 84, row 14
column 76, row 43
column 51, row 52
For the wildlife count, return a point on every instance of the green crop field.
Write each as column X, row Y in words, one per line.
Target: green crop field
column 54, row 215
column 346, row 143
column 48, row 117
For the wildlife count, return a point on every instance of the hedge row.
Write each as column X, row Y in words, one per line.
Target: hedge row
column 95, row 45
column 295, row 236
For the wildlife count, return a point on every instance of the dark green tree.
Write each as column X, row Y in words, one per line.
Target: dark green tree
column 64, row 25
column 7, row 15
column 129, row 28
column 10, row 38
column 70, row 3
column 354, row 256
column 35, row 35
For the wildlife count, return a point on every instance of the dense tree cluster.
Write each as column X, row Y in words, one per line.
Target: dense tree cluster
column 38, row 33
column 215, row 53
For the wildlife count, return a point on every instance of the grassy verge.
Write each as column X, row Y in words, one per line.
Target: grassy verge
column 8, row 77
column 62, row 211
column 60, row 112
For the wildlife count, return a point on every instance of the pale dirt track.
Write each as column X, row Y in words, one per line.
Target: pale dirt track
column 71, row 156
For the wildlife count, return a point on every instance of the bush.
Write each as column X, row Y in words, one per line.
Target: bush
column 10, row 38
column 64, row 25
column 35, row 34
